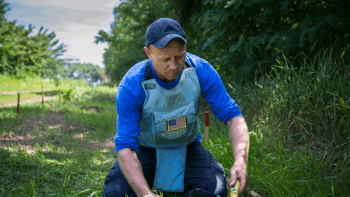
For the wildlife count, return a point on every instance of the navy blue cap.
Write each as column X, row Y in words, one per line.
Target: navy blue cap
column 161, row 31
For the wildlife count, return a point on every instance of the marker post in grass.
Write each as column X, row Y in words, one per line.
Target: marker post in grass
column 206, row 133
column 42, row 97
column 18, row 102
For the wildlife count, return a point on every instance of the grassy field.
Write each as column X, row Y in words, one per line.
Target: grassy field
column 298, row 123
column 6, row 99
column 63, row 150
column 30, row 88
column 12, row 98
column 68, row 149
column 34, row 83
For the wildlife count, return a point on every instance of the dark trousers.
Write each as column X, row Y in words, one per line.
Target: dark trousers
column 204, row 176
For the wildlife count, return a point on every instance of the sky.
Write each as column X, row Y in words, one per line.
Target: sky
column 75, row 23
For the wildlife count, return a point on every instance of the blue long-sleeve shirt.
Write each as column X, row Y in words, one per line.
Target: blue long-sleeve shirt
column 131, row 97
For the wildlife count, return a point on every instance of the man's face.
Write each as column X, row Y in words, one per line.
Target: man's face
column 169, row 61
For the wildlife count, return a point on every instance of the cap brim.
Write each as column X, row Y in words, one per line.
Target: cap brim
column 165, row 40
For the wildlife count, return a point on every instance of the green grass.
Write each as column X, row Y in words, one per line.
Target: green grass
column 12, row 98
column 75, row 161
column 34, row 83
column 71, row 153
column 30, row 87
column 299, row 127
column 299, row 140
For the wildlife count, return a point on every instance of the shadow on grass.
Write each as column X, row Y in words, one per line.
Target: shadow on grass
column 49, row 173
column 49, row 93
column 60, row 150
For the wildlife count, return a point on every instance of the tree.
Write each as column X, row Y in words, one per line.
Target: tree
column 241, row 38
column 127, row 38
column 245, row 37
column 83, row 71
column 21, row 52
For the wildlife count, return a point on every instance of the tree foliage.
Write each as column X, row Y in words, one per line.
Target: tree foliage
column 245, row 37
column 80, row 71
column 127, row 38
column 237, row 37
column 21, row 52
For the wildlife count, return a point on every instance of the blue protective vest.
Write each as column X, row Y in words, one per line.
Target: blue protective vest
column 169, row 123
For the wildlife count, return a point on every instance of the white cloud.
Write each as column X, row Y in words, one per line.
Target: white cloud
column 73, row 4
column 75, row 23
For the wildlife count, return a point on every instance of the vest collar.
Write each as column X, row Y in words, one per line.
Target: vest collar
column 151, row 74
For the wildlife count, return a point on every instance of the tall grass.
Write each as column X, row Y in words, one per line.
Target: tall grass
column 313, row 101
column 300, row 127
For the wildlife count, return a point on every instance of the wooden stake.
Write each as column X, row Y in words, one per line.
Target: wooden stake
column 42, row 96
column 206, row 133
column 18, row 102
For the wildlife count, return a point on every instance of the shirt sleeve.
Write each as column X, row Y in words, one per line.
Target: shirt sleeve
column 128, row 120
column 214, row 92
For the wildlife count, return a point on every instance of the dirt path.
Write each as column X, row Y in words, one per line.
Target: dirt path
column 15, row 92
column 34, row 100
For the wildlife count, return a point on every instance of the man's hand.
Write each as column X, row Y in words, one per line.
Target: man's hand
column 132, row 170
column 238, row 171
column 239, row 139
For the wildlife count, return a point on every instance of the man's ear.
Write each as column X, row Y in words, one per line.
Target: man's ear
column 147, row 51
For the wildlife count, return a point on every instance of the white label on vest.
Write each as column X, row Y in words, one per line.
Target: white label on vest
column 150, row 86
column 174, row 134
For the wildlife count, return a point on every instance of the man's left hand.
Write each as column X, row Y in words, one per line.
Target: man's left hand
column 239, row 171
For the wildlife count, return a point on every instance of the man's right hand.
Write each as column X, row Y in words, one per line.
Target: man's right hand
column 132, row 170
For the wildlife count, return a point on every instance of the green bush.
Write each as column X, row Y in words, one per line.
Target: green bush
column 67, row 94
column 245, row 37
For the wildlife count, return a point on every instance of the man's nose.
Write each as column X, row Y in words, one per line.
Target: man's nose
column 173, row 64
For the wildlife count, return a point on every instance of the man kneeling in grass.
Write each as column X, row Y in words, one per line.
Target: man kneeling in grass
column 158, row 140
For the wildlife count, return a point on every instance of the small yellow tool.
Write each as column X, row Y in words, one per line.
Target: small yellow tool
column 234, row 190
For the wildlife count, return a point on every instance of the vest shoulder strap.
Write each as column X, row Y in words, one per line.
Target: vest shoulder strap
column 148, row 72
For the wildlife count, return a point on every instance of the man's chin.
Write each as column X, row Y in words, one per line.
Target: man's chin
column 168, row 81
column 172, row 78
